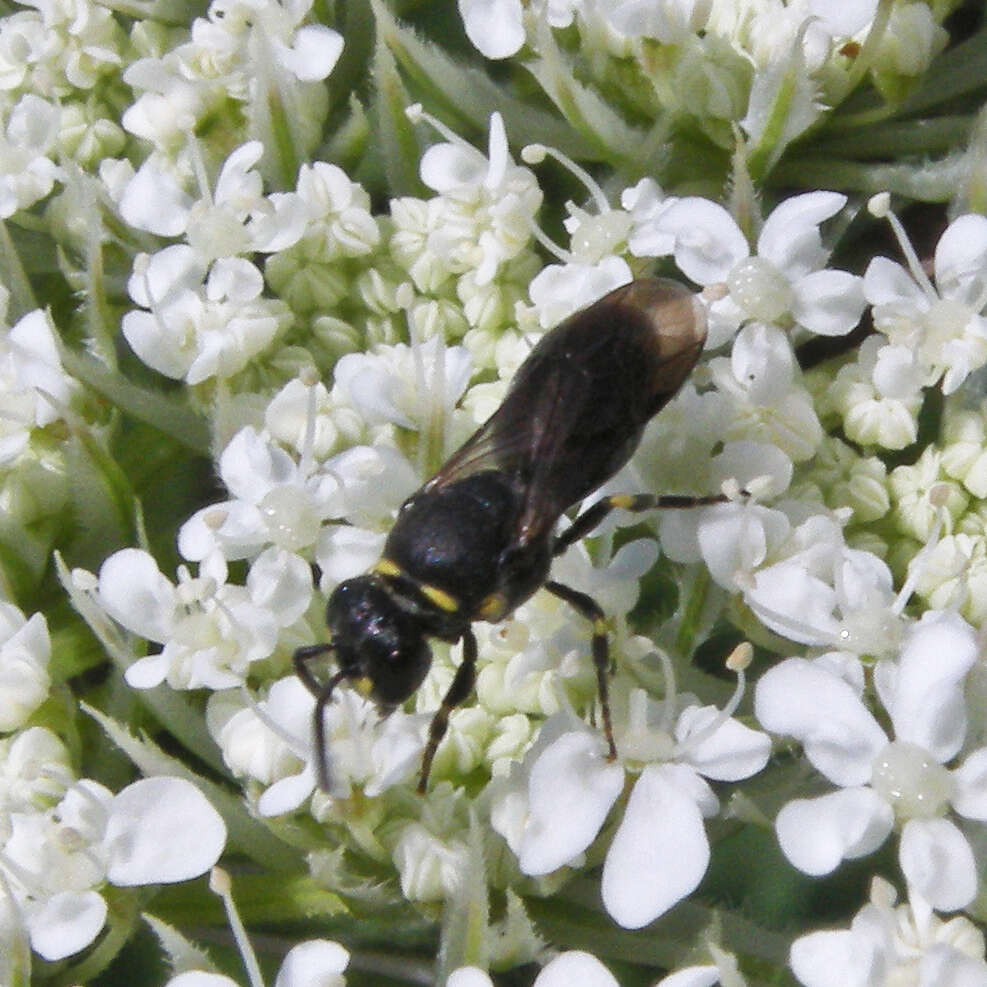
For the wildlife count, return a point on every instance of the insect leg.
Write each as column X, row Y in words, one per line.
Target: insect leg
column 587, row 607
column 592, row 516
column 323, row 693
column 462, row 686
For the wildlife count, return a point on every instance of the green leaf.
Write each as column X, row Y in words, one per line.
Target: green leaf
column 397, row 143
column 182, row 955
column 172, row 417
column 607, row 135
column 465, row 96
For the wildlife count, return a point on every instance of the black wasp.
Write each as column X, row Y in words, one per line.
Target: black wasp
column 478, row 538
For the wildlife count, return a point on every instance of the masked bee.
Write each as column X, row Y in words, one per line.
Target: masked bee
column 479, row 537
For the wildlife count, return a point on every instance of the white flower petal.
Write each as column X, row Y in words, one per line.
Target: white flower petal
column 927, row 705
column 134, row 593
column 571, row 789
column 281, row 582
column 161, row 830
column 659, row 853
column 156, row 346
column 937, row 861
column 313, row 53
column 708, row 242
column 65, row 923
column 961, row 259
column 829, row 303
column 790, row 236
column 835, row 959
column 575, row 967
column 970, row 780
column 146, row 673
column 887, row 282
column 693, row 976
column 469, row 976
column 201, row 978
column 154, row 201
column 316, row 963
column 493, row 26
column 840, row 736
column 943, row 965
column 792, row 601
column 287, row 794
column 816, row 834
column 732, row 752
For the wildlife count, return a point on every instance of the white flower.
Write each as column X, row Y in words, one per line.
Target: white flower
column 552, row 806
column 36, row 390
column 667, row 21
column 197, row 329
column 488, row 202
column 35, row 769
column 157, row 830
column 887, row 945
column 411, row 386
column 271, row 741
column 315, row 963
column 879, row 395
column 942, row 326
column 211, row 630
column 25, row 650
column 544, row 645
column 243, row 50
column 275, row 501
column 27, row 174
column 881, row 779
column 338, row 210
column 645, row 203
column 785, row 281
column 818, row 590
column 765, row 398
column 558, row 290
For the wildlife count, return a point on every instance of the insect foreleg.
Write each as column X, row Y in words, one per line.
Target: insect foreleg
column 462, row 686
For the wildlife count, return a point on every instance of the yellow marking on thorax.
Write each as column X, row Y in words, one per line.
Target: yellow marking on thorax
column 625, row 501
column 492, row 608
column 364, row 685
column 385, row 567
column 434, row 594
column 442, row 599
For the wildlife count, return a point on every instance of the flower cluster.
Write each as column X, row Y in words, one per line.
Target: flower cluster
column 250, row 304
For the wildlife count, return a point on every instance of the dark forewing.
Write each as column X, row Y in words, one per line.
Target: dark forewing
column 575, row 410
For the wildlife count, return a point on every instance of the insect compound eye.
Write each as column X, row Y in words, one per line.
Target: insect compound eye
column 399, row 673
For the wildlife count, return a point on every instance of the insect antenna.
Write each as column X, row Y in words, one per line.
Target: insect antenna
column 323, row 693
column 319, row 723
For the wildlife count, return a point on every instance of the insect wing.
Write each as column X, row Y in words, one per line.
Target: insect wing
column 576, row 408
column 521, row 434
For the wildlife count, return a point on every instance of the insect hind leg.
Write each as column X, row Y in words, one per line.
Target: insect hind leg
column 593, row 515
column 587, row 607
